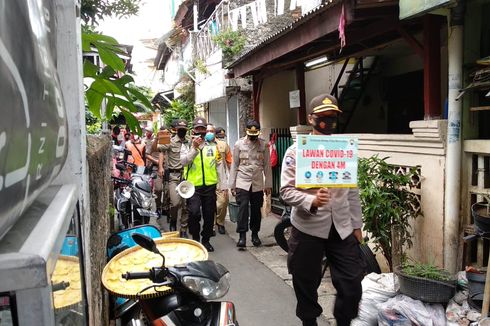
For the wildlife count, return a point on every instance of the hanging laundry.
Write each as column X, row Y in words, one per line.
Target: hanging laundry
column 234, row 15
column 279, row 9
column 243, row 15
column 255, row 16
column 261, row 11
column 293, row 5
column 342, row 28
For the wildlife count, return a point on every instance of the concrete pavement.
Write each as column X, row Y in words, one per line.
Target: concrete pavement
column 275, row 259
column 261, row 287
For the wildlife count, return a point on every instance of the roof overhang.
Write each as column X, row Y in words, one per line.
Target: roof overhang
column 367, row 26
column 299, row 34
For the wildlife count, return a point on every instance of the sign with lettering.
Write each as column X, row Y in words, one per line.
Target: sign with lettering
column 410, row 8
column 33, row 128
column 326, row 162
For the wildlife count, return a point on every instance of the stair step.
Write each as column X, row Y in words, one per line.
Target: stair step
column 357, row 70
column 351, row 86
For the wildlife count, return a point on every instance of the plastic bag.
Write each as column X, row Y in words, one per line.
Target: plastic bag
column 376, row 289
column 274, row 159
column 402, row 309
column 266, row 206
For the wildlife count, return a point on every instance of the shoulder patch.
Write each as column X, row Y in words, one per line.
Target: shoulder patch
column 288, row 160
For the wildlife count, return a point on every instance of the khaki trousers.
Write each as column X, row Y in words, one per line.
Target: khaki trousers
column 177, row 203
column 221, row 208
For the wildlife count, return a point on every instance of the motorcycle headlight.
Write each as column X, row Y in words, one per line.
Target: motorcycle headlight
column 146, row 202
column 207, row 288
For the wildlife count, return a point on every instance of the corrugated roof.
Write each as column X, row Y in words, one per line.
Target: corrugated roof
column 294, row 24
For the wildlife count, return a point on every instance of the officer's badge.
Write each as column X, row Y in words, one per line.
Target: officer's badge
column 326, row 100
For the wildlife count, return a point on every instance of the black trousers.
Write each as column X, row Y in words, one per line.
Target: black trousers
column 346, row 268
column 203, row 200
column 256, row 199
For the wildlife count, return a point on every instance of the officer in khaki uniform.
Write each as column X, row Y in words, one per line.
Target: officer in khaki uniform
column 223, row 162
column 172, row 148
column 250, row 177
column 326, row 221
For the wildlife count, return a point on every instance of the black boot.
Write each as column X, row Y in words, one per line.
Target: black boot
column 242, row 242
column 173, row 226
column 255, row 239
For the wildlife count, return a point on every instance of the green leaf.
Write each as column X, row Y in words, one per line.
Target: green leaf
column 107, row 72
column 126, row 79
column 132, row 122
column 109, row 109
column 142, row 98
column 89, row 69
column 94, row 101
column 111, row 59
column 105, row 86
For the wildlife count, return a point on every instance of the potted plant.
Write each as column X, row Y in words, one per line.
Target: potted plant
column 388, row 206
column 426, row 282
column 231, row 42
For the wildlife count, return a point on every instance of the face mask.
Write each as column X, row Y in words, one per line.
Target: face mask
column 209, row 137
column 181, row 132
column 325, row 125
column 253, row 138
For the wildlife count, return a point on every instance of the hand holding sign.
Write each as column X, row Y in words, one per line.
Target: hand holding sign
column 323, row 196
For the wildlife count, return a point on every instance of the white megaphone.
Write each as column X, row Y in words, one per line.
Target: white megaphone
column 185, row 189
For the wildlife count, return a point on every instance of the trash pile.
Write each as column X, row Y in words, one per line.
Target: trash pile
column 382, row 304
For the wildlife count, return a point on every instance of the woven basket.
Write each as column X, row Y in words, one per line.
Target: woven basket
column 424, row 289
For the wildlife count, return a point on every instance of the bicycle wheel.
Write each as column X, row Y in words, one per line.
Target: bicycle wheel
column 282, row 231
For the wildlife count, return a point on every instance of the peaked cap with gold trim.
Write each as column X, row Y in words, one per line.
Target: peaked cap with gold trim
column 322, row 103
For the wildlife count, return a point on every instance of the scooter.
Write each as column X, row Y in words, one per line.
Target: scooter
column 133, row 202
column 126, row 311
column 193, row 286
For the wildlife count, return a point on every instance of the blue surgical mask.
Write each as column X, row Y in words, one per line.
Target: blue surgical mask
column 209, row 137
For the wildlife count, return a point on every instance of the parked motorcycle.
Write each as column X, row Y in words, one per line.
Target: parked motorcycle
column 181, row 294
column 282, row 231
column 133, row 202
column 126, row 311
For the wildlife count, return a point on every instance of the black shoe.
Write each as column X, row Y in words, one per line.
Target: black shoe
column 255, row 240
column 221, row 229
column 242, row 242
column 213, row 234
column 183, row 234
column 208, row 246
column 310, row 322
column 173, row 226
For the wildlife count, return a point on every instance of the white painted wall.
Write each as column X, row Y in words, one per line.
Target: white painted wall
column 274, row 109
column 211, row 86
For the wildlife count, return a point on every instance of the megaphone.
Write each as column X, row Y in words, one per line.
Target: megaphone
column 185, row 189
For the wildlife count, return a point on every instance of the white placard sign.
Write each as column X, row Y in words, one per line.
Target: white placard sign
column 294, row 101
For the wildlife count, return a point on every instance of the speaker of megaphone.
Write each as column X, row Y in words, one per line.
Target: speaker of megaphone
column 185, row 189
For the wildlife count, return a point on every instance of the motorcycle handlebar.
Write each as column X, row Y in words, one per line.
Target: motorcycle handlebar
column 131, row 165
column 121, row 180
column 136, row 275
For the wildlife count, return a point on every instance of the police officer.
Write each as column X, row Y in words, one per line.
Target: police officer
column 174, row 165
column 199, row 160
column 154, row 160
column 224, row 162
column 249, row 168
column 325, row 221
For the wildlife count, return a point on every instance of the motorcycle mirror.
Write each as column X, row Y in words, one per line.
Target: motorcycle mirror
column 120, row 166
column 147, row 243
